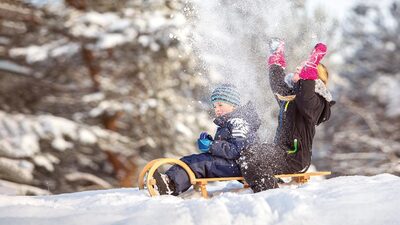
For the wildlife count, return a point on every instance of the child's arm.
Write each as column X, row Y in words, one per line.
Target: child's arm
column 277, row 81
column 226, row 149
column 240, row 136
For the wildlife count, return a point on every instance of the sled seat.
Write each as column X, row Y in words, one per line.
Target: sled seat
column 200, row 184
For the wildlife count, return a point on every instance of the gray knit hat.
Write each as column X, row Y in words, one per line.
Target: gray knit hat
column 226, row 93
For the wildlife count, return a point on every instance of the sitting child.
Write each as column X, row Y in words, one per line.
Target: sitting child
column 237, row 130
column 304, row 102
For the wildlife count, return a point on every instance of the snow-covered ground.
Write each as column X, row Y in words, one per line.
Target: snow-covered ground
column 342, row 200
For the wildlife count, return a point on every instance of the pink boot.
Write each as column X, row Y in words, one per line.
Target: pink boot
column 277, row 57
column 309, row 71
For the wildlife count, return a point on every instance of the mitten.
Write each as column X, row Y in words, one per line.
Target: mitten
column 204, row 142
column 277, row 48
column 205, row 135
column 309, row 71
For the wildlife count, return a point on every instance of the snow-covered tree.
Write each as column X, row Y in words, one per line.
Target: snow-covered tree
column 118, row 66
column 366, row 121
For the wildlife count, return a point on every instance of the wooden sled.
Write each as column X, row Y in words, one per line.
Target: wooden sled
column 201, row 183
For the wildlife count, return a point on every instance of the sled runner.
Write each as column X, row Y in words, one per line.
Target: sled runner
column 201, row 183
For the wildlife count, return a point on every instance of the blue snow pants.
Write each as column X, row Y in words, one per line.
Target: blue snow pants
column 203, row 165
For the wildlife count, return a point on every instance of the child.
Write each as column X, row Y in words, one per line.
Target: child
column 304, row 102
column 237, row 130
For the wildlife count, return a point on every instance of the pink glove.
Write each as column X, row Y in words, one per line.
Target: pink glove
column 309, row 71
column 277, row 57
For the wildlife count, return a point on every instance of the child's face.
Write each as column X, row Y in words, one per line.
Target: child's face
column 222, row 108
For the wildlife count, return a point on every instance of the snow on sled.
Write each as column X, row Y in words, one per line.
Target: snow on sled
column 146, row 176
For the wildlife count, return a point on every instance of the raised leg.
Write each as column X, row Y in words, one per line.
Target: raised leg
column 277, row 64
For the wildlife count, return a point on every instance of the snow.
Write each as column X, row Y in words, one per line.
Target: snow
column 98, row 96
column 389, row 95
column 183, row 129
column 43, row 2
column 35, row 53
column 105, row 27
column 14, row 143
column 87, row 137
column 111, row 40
column 20, row 135
column 342, row 200
column 92, row 24
column 46, row 161
column 67, row 49
column 13, row 67
column 106, row 106
column 105, row 31
column 21, row 170
column 339, row 10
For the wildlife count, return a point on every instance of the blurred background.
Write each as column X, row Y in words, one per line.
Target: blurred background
column 91, row 90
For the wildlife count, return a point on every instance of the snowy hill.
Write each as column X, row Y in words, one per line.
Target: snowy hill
column 342, row 200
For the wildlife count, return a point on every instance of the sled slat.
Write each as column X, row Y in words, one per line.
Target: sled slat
column 317, row 173
column 300, row 178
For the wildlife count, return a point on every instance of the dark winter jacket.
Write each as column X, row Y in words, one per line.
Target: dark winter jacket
column 298, row 118
column 236, row 132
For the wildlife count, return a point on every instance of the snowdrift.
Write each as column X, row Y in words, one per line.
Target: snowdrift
column 342, row 200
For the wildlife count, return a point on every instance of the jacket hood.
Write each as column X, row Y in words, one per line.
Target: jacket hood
column 247, row 112
column 321, row 90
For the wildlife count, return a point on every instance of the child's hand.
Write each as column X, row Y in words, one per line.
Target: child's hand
column 205, row 135
column 204, row 145
column 204, row 142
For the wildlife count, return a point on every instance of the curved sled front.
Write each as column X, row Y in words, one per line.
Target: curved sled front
column 153, row 165
column 144, row 171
